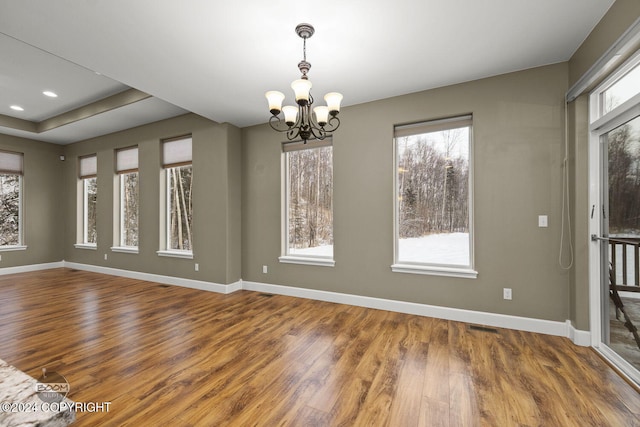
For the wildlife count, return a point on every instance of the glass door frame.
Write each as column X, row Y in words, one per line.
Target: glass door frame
column 600, row 126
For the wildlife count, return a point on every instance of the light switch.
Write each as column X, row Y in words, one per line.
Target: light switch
column 543, row 221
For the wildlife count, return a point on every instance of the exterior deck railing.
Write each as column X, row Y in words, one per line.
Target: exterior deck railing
column 624, row 254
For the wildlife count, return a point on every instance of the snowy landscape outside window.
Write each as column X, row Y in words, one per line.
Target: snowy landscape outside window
column 88, row 176
column 10, row 199
column 177, row 158
column 90, row 210
column 433, row 197
column 127, row 170
column 308, row 206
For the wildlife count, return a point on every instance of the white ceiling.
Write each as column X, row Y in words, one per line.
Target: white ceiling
column 217, row 58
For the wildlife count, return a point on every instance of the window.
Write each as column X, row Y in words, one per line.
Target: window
column 11, row 169
column 308, row 203
column 618, row 95
column 127, row 202
column 89, row 180
column 178, row 207
column 433, row 214
column 620, row 91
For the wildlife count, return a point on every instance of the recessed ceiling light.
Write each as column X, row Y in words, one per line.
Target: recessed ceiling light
column 17, row 108
column 50, row 94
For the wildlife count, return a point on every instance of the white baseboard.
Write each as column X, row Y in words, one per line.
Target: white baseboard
column 167, row 280
column 32, row 267
column 579, row 337
column 548, row 327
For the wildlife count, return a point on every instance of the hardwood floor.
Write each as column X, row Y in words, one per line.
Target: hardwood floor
column 165, row 355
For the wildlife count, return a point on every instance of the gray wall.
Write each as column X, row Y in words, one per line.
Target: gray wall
column 518, row 148
column 621, row 15
column 43, row 220
column 216, row 229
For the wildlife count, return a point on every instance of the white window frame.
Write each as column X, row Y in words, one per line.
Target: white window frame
column 287, row 257
column 599, row 125
column 400, row 266
column 170, row 160
column 20, row 246
column 12, row 163
column 125, row 165
column 88, row 169
column 85, row 215
column 625, row 111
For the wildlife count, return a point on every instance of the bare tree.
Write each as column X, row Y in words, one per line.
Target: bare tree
column 433, row 180
column 9, row 209
column 181, row 207
column 624, row 181
column 310, row 184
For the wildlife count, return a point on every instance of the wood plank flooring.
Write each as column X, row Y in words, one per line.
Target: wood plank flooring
column 165, row 355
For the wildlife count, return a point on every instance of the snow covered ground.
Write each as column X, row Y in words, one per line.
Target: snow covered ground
column 450, row 249
column 325, row 251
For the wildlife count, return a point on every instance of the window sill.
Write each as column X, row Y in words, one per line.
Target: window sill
column 13, row 248
column 466, row 273
column 323, row 262
column 125, row 249
column 176, row 254
column 91, row 246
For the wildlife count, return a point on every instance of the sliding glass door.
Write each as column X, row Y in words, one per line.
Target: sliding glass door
column 615, row 129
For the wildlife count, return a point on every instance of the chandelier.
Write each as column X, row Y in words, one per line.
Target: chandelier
column 299, row 121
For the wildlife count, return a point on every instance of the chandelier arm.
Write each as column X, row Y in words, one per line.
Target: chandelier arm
column 294, row 130
column 319, row 133
column 274, row 122
column 334, row 123
column 293, row 133
column 316, row 130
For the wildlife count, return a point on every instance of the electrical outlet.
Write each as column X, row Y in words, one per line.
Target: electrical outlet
column 197, row 267
column 265, row 269
column 106, row 257
column 506, row 293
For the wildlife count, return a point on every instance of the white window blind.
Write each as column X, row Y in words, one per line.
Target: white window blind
column 176, row 152
column 88, row 166
column 127, row 160
column 300, row 145
column 433, row 126
column 11, row 163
